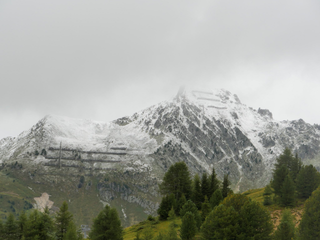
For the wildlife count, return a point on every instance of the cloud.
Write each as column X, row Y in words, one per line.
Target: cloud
column 106, row 59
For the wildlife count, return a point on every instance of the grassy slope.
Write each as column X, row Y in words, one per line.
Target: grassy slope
column 17, row 189
column 254, row 194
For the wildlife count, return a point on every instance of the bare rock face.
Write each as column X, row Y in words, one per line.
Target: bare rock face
column 43, row 202
column 126, row 159
column 265, row 112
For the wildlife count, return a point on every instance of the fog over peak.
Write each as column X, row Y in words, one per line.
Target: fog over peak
column 106, row 59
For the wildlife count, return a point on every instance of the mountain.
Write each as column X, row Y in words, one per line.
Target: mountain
column 127, row 158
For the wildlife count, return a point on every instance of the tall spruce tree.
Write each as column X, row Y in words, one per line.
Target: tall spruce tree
column 216, row 198
column 177, row 180
column 188, row 227
column 286, row 229
column 221, row 223
column 107, row 225
column 189, row 206
column 279, row 175
column 287, row 198
column 205, row 209
column 196, row 193
column 225, row 186
column 310, row 223
column 11, row 228
column 214, row 183
column 205, row 187
column 165, row 206
column 308, row 180
column 180, row 204
column 63, row 220
column 255, row 222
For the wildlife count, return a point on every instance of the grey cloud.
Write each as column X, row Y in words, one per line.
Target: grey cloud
column 105, row 59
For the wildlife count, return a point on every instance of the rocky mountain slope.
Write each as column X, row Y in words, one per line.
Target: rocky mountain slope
column 129, row 156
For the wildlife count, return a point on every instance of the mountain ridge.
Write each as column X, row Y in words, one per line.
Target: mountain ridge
column 205, row 129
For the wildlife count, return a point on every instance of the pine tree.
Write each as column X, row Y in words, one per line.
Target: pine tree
column 237, row 201
column 308, row 180
column 177, row 180
column 172, row 214
column 71, row 233
column 107, row 225
column 63, row 220
column 288, row 192
column 188, row 227
column 11, row 229
column 214, row 183
column 196, row 193
column 180, row 204
column 205, row 209
column 191, row 207
column 205, row 186
column 310, row 224
column 216, row 198
column 279, row 175
column 267, row 200
column 225, row 186
column 221, row 223
column 255, row 222
column 165, row 206
column 286, row 229
column 22, row 223
column 295, row 167
column 47, row 227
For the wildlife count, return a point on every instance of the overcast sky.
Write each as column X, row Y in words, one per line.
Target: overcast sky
column 106, row 59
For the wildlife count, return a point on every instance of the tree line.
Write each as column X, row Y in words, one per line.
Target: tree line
column 291, row 181
column 42, row 226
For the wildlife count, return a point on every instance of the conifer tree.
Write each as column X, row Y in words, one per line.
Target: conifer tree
column 310, row 224
column 171, row 214
column 188, row 227
column 267, row 200
column 165, row 206
column 237, row 201
column 71, row 233
column 63, row 220
column 196, row 193
column 255, row 222
column 308, row 180
column 205, row 209
column 295, row 167
column 214, row 183
column 191, row 207
column 205, row 186
column 11, row 229
column 279, row 175
column 288, row 192
column 286, row 229
column 46, row 227
column 180, row 204
column 107, row 225
column 225, row 186
column 221, row 223
column 216, row 198
column 22, row 223
column 177, row 181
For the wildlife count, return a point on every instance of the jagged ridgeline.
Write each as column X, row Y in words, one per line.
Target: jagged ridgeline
column 122, row 162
